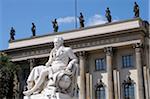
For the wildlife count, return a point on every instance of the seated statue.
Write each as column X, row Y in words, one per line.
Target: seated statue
column 58, row 75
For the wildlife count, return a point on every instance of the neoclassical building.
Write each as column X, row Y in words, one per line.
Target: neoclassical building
column 113, row 58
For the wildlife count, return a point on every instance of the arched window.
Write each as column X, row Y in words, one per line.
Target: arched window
column 128, row 89
column 100, row 90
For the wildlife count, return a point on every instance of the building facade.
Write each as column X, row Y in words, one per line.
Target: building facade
column 113, row 59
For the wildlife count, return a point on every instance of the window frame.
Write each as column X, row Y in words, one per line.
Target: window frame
column 103, row 93
column 130, row 92
column 127, row 62
column 127, row 92
column 102, row 65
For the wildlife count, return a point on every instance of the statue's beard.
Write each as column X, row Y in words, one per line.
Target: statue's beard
column 58, row 46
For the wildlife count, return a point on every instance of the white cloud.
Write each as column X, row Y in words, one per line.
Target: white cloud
column 95, row 20
column 68, row 19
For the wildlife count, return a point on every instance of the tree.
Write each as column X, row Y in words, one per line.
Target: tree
column 7, row 72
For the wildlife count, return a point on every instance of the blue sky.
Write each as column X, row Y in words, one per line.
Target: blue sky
column 21, row 13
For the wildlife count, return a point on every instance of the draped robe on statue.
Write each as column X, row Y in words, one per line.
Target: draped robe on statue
column 61, row 62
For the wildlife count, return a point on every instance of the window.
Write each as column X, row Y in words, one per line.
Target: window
column 127, row 61
column 100, row 93
column 100, row 64
column 129, row 89
column 100, row 90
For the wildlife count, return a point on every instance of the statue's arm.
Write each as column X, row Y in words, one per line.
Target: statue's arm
column 49, row 60
column 73, row 59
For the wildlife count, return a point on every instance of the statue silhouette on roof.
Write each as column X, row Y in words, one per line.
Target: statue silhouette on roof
column 12, row 34
column 136, row 10
column 81, row 19
column 55, row 25
column 108, row 15
column 33, row 29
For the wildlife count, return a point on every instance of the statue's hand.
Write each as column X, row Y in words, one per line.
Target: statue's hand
column 68, row 71
column 47, row 65
column 68, row 68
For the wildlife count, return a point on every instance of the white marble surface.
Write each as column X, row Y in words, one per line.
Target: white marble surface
column 42, row 96
column 60, row 72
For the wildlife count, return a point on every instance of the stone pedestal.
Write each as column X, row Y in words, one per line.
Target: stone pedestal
column 38, row 96
column 42, row 96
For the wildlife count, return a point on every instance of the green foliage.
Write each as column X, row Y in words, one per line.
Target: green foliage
column 7, row 71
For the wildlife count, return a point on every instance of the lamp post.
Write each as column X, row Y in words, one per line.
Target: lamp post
column 75, row 13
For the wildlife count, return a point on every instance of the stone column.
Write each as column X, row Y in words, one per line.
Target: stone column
column 31, row 63
column 82, row 91
column 116, row 91
column 146, row 82
column 148, row 76
column 91, row 87
column 138, row 49
column 87, row 86
column 109, row 53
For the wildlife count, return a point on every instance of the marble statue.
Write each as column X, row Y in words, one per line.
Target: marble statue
column 108, row 15
column 58, row 78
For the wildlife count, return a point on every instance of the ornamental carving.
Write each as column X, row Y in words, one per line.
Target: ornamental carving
column 108, row 50
column 74, row 45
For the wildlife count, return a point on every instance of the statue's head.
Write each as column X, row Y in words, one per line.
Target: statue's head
column 58, row 41
column 135, row 3
column 55, row 20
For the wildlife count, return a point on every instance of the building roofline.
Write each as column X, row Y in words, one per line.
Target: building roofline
column 79, row 29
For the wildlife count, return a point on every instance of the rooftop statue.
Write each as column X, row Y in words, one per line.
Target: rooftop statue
column 108, row 15
column 33, row 29
column 136, row 10
column 81, row 19
column 12, row 34
column 59, row 75
column 55, row 25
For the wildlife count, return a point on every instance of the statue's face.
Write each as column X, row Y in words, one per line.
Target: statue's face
column 57, row 43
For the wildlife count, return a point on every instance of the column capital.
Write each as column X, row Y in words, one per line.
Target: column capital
column 138, row 47
column 108, row 50
column 31, row 60
column 81, row 53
